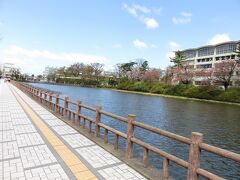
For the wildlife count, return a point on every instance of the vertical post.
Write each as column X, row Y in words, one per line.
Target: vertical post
column 116, row 144
column 65, row 105
column 194, row 155
column 40, row 97
column 145, row 157
column 50, row 101
column 98, row 118
column 78, row 112
column 105, row 136
column 130, row 134
column 45, row 97
column 165, row 168
column 57, row 103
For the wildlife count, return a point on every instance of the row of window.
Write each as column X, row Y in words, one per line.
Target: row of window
column 204, row 66
column 226, row 48
column 205, row 60
column 208, row 51
column 225, row 57
column 205, row 52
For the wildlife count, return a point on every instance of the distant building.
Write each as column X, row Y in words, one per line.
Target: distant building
column 6, row 69
column 208, row 56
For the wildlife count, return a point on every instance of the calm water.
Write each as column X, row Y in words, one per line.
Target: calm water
column 219, row 123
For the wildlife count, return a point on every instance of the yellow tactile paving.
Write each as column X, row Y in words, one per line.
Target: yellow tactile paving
column 71, row 160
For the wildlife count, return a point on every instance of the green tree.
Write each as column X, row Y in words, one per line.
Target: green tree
column 178, row 59
column 75, row 69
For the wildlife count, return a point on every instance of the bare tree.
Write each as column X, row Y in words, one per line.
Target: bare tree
column 76, row 69
column 97, row 69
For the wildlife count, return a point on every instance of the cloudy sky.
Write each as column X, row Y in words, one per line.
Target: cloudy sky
column 40, row 33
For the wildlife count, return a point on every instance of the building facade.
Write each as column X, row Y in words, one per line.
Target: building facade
column 206, row 57
column 6, row 69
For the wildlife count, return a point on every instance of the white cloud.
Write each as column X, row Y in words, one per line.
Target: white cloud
column 185, row 17
column 34, row 60
column 151, row 23
column 143, row 9
column 139, row 44
column 173, row 45
column 117, row 46
column 219, row 38
column 130, row 10
column 140, row 12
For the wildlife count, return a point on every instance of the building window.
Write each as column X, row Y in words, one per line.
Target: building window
column 232, row 56
column 226, row 48
column 217, row 58
column 205, row 51
column 190, row 54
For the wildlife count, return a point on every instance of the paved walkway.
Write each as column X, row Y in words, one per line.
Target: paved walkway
column 35, row 144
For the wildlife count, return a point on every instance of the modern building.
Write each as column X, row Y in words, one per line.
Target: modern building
column 208, row 56
column 6, row 69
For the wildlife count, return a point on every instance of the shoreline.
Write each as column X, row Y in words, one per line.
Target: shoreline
column 176, row 97
column 146, row 93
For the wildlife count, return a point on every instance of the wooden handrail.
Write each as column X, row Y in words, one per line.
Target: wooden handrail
column 114, row 116
column 220, row 152
column 161, row 153
column 113, row 130
column 163, row 133
column 196, row 144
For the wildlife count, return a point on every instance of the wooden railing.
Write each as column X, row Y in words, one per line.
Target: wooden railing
column 196, row 143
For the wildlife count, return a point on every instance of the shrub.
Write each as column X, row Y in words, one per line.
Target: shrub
column 231, row 95
column 141, row 86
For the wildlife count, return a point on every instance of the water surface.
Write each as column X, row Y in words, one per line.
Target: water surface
column 219, row 123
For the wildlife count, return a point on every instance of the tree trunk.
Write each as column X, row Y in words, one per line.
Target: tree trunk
column 226, row 85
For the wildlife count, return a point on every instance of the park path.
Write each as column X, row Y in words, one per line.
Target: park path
column 35, row 144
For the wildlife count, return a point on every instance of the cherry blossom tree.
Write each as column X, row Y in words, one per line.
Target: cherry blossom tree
column 152, row 75
column 223, row 71
column 183, row 74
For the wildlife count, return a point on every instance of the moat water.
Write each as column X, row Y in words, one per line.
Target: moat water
column 219, row 124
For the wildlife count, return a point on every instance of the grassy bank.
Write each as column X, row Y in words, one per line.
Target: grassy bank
column 189, row 91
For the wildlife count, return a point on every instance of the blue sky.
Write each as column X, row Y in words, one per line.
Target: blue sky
column 38, row 33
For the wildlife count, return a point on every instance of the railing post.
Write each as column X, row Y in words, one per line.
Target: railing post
column 78, row 112
column 165, row 168
column 50, row 101
column 130, row 134
column 57, row 103
column 98, row 118
column 145, row 157
column 66, row 105
column 45, row 97
column 40, row 97
column 194, row 156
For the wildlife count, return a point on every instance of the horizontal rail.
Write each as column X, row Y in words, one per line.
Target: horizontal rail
column 114, row 116
column 163, row 133
column 161, row 152
column 88, row 107
column 86, row 117
column 220, row 152
column 208, row 174
column 113, row 130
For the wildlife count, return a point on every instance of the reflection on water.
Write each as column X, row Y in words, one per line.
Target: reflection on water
column 219, row 123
